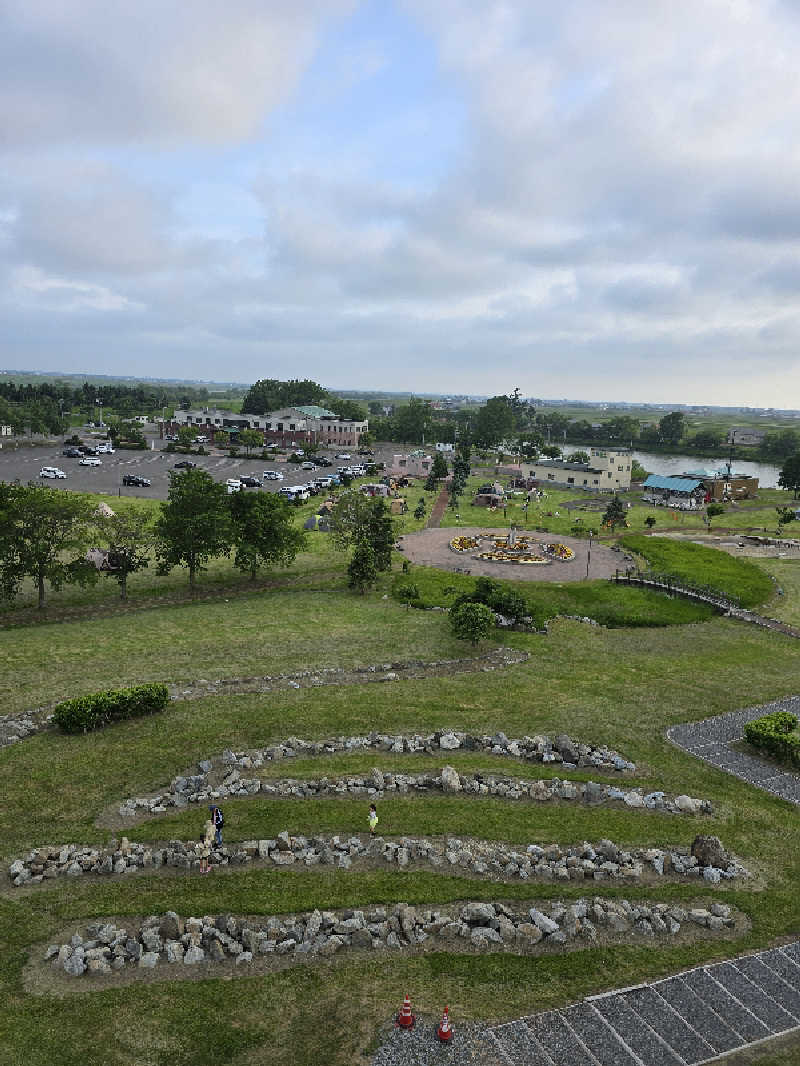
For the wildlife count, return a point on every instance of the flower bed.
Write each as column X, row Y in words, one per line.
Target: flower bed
column 560, row 551
column 463, row 544
column 505, row 555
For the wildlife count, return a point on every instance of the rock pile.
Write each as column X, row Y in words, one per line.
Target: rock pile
column 169, row 938
column 15, row 727
column 197, row 788
column 596, row 862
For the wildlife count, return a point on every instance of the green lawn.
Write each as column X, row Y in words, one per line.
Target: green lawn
column 620, row 686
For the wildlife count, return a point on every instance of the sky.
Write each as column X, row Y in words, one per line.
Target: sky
column 584, row 200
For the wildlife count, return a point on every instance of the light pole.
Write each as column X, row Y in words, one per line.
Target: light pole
column 589, row 554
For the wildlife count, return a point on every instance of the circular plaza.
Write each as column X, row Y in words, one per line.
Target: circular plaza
column 512, row 554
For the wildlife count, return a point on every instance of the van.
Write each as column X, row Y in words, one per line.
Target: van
column 105, row 447
column 233, row 484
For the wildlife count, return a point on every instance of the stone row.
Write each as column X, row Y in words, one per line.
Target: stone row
column 198, row 789
column 169, row 938
column 706, row 859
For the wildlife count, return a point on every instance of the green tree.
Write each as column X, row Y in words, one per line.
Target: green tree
column 551, row 451
column 269, row 394
column 672, row 427
column 430, row 483
column 493, row 422
column 412, row 421
column 439, row 469
column 222, row 438
column 343, row 407
column 789, row 476
column 638, row 472
column 194, row 525
column 472, row 621
column 130, row 536
column 650, row 521
column 362, row 571
column 44, row 535
column 407, row 593
column 357, row 519
column 614, row 513
column 250, row 438
column 264, row 533
column 578, row 457
column 419, row 510
column 706, row 438
column 380, row 534
column 186, row 435
column 780, row 445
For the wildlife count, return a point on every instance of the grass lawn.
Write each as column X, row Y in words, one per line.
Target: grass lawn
column 620, row 686
column 699, row 565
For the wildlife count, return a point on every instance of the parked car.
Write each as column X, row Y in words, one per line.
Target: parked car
column 250, row 482
column 233, row 484
column 136, row 481
column 105, row 448
column 365, row 451
column 90, row 462
column 72, row 453
column 51, row 471
column 343, row 455
column 323, row 482
column 185, row 464
column 308, row 466
column 272, row 475
column 320, row 460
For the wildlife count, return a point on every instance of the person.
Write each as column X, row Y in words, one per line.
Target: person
column 373, row 819
column 218, row 818
column 204, row 847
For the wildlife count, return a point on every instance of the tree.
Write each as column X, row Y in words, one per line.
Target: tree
column 345, row 408
column 715, row 509
column 789, row 476
column 186, row 435
column 44, row 535
column 439, row 468
column 264, row 533
column 250, row 438
column 222, row 438
column 472, row 621
column 269, row 394
column 412, row 421
column 706, row 438
column 578, row 457
column 194, row 525
column 430, row 483
column 419, row 510
column 780, row 445
column 130, row 536
column 493, row 422
column 361, row 571
column 357, row 519
column 551, row 451
column 672, row 427
column 380, row 534
column 650, row 521
column 615, row 513
column 638, row 472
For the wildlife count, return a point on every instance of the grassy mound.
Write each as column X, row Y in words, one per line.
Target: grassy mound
column 700, row 565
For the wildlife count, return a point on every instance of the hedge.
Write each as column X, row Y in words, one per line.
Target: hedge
column 114, row 705
column 774, row 734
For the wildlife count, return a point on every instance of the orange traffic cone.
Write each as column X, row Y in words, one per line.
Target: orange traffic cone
column 405, row 1019
column 445, row 1030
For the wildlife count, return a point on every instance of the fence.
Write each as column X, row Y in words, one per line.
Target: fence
column 677, row 586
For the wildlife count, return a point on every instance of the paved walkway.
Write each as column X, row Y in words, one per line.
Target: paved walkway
column 438, row 510
column 710, row 741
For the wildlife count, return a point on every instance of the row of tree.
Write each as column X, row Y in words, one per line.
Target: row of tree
column 269, row 394
column 45, row 534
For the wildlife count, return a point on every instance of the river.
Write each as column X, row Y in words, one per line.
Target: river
column 676, row 464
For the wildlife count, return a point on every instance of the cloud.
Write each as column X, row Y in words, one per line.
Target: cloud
column 153, row 70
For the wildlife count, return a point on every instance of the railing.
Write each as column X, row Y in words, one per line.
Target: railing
column 677, row 586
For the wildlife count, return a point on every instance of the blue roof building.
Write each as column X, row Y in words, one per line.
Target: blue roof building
column 683, row 493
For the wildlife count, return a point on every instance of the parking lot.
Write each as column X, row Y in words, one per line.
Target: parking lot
column 24, row 464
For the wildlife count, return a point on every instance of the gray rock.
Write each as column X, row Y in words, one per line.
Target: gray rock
column 450, row 780
column 708, row 851
column 541, row 921
column 74, row 965
column 194, row 954
column 148, row 960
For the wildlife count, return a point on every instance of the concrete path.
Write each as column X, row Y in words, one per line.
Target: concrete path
column 684, row 1020
column 710, row 741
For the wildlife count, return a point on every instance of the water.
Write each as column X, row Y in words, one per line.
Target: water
column 676, row 464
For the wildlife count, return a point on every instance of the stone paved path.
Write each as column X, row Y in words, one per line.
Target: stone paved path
column 710, row 741
column 684, row 1020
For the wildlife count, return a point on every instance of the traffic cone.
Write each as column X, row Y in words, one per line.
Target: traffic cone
column 405, row 1019
column 445, row 1030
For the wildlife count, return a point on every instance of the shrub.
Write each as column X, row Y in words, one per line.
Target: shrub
column 115, row 705
column 774, row 734
column 714, row 509
column 510, row 604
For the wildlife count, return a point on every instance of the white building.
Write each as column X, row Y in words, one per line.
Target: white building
column 606, row 471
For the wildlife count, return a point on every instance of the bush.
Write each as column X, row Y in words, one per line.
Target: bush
column 714, row 509
column 115, row 705
column 774, row 734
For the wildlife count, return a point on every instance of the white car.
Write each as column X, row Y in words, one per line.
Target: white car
column 51, row 471
column 233, row 484
column 272, row 475
column 344, row 455
column 90, row 462
column 308, row 466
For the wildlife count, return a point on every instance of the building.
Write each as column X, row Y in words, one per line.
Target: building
column 683, row 493
column 416, row 464
column 606, row 471
column 446, row 449
column 746, row 435
column 289, row 426
column 721, row 485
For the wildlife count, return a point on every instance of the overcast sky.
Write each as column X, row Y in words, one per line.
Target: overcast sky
column 599, row 201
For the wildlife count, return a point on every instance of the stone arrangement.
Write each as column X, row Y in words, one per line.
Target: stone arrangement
column 15, row 727
column 198, row 787
column 170, row 939
column 706, row 859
